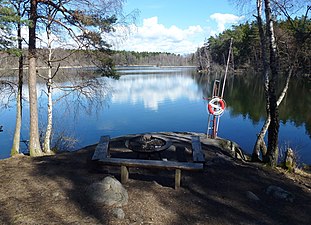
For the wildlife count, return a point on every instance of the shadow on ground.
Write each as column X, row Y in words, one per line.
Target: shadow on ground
column 52, row 190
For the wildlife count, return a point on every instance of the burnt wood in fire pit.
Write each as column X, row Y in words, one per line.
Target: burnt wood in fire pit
column 148, row 144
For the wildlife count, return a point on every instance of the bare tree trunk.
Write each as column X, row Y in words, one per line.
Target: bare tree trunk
column 269, row 155
column 284, row 91
column 18, row 125
column 16, row 139
column 273, row 130
column 48, row 133
column 200, row 59
column 260, row 145
column 34, row 142
column 19, row 96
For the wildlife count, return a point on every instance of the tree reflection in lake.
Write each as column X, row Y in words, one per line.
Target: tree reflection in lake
column 244, row 96
column 171, row 99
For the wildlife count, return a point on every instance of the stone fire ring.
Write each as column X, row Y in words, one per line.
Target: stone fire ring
column 167, row 144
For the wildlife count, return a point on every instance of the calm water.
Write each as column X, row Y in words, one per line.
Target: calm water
column 148, row 99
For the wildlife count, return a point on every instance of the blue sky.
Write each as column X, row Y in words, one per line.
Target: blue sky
column 183, row 13
column 177, row 26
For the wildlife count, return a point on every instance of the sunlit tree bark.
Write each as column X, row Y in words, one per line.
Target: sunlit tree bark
column 260, row 145
column 19, row 97
column 270, row 154
column 273, row 130
column 85, row 28
column 34, row 141
column 48, row 133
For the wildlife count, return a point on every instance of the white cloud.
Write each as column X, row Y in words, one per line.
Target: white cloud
column 153, row 36
column 224, row 19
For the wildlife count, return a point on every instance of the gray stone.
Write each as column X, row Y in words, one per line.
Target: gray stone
column 118, row 213
column 280, row 193
column 109, row 192
column 250, row 195
column 220, row 160
column 56, row 194
column 290, row 160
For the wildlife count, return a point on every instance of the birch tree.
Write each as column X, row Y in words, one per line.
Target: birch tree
column 260, row 143
column 270, row 73
column 86, row 28
column 203, row 57
column 47, row 138
column 273, row 130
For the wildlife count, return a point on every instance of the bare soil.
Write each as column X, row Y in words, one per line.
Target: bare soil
column 51, row 190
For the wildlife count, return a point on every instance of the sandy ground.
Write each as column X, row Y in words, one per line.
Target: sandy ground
column 51, row 190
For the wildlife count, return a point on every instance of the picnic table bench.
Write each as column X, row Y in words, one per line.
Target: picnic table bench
column 102, row 155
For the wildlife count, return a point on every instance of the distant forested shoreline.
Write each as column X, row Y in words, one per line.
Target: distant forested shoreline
column 87, row 58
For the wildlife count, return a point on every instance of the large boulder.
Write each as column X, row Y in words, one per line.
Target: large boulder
column 279, row 193
column 109, row 192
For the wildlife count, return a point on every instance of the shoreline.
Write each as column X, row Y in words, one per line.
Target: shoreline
column 94, row 67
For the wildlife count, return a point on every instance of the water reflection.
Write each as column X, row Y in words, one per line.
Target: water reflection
column 171, row 99
column 245, row 113
column 245, row 96
column 153, row 90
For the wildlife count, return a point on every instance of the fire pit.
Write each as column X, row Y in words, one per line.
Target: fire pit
column 148, row 144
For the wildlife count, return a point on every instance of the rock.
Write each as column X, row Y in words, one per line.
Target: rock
column 290, row 161
column 56, row 194
column 250, row 195
column 147, row 137
column 280, row 193
column 188, row 150
column 109, row 192
column 220, row 160
column 157, row 184
column 136, row 219
column 232, row 148
column 118, row 213
column 19, row 155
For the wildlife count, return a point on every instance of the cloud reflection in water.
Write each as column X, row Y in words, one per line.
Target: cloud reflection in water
column 152, row 90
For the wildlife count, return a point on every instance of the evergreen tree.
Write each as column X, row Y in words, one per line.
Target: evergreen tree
column 7, row 16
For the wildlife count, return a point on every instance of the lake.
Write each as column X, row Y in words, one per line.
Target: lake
column 152, row 99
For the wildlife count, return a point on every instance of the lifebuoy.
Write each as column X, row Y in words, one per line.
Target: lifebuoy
column 216, row 106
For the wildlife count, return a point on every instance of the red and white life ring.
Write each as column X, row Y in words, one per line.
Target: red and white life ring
column 216, row 106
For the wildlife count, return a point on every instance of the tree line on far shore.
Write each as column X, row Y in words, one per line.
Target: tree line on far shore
column 86, row 59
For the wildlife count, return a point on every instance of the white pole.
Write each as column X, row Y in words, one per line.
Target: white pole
column 228, row 60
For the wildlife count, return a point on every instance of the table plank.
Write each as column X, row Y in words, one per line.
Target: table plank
column 198, row 155
column 102, row 149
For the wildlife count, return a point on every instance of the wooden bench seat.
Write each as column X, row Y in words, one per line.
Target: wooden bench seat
column 197, row 154
column 142, row 163
column 101, row 155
